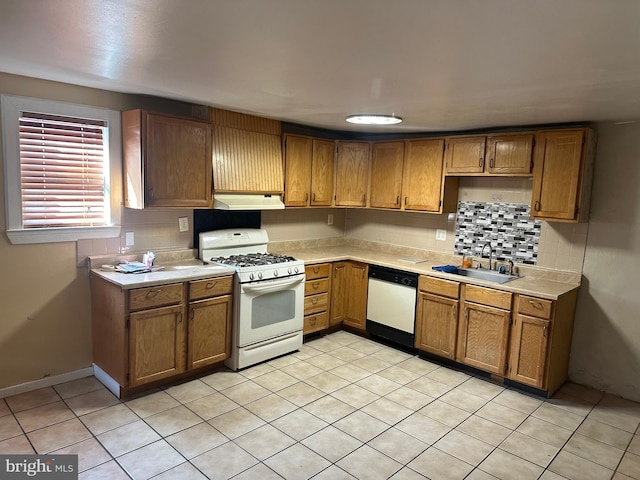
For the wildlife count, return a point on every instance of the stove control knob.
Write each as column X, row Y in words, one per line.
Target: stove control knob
column 275, row 273
column 295, row 269
column 260, row 275
column 289, row 270
column 251, row 276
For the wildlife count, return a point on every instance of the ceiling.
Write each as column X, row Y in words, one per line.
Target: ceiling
column 442, row 65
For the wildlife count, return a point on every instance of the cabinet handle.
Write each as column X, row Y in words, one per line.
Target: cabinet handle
column 535, row 304
column 316, row 269
column 314, row 300
column 314, row 198
column 210, row 285
column 312, row 320
column 150, row 192
column 193, row 314
column 454, row 312
column 364, row 198
column 405, row 201
column 536, row 206
column 153, row 293
column 315, row 285
column 491, row 163
column 466, row 312
column 544, row 331
column 179, row 317
column 481, row 162
column 306, row 197
column 398, row 200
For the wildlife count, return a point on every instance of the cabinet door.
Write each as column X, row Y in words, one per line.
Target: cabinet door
column 437, row 325
column 483, row 336
column 209, row 333
column 357, row 283
column 529, row 350
column 556, row 175
column 352, row 174
column 338, row 293
column 465, row 155
column 509, row 154
column 386, row 174
column 297, row 176
column 322, row 168
column 422, row 178
column 156, row 344
column 178, row 162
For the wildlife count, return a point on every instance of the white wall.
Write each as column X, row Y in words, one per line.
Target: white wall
column 606, row 342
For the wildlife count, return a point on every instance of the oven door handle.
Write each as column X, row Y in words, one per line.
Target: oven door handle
column 272, row 286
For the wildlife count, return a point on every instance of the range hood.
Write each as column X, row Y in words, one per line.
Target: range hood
column 247, row 201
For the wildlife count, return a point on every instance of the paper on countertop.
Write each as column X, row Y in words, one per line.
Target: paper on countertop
column 412, row 259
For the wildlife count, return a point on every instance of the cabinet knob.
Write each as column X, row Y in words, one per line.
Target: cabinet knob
column 536, row 206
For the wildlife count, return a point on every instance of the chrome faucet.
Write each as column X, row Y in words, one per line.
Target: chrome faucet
column 488, row 244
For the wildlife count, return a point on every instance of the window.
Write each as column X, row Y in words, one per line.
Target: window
column 62, row 170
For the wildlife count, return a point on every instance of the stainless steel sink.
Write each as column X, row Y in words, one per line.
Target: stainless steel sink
column 486, row 275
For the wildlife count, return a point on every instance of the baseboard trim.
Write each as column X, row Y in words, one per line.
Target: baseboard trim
column 45, row 382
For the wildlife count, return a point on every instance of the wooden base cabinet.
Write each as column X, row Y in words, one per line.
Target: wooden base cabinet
column 316, row 298
column 437, row 316
column 149, row 334
column 484, row 329
column 349, row 287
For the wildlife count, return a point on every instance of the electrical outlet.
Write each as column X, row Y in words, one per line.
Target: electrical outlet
column 183, row 224
column 330, row 219
column 129, row 239
column 441, row 234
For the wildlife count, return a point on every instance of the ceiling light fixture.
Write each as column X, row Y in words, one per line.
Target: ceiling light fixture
column 373, row 119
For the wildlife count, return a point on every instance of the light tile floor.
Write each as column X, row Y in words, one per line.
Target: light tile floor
column 342, row 407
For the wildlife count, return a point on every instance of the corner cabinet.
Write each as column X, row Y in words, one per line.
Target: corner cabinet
column 146, row 335
column 349, row 287
column 562, row 175
column 167, row 161
column 352, row 174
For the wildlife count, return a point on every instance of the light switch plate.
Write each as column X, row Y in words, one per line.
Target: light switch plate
column 441, row 234
column 183, row 224
column 129, row 239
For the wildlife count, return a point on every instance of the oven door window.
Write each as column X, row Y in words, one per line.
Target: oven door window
column 271, row 308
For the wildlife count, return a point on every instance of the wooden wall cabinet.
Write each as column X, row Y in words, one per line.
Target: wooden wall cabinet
column 483, row 333
column 167, row 161
column 352, row 174
column 437, row 316
column 424, row 187
column 145, row 335
column 309, row 167
column 385, row 188
column 507, row 154
column 562, row 175
column 349, row 287
column 317, row 290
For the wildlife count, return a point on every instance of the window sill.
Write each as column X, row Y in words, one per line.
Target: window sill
column 69, row 234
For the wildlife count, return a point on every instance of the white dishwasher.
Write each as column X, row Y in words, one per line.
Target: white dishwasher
column 391, row 305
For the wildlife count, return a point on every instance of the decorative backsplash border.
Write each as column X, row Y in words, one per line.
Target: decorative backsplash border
column 513, row 235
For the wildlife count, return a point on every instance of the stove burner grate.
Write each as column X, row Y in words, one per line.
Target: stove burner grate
column 253, row 259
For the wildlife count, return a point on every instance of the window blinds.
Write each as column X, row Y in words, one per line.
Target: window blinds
column 63, row 161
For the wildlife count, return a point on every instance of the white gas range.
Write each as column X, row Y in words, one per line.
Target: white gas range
column 268, row 312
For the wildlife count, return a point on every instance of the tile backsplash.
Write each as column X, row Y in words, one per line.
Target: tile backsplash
column 507, row 226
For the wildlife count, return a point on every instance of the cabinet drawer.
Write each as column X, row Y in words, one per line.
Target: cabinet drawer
column 535, row 307
column 316, row 322
column 149, row 297
column 316, row 303
column 321, row 270
column 210, row 287
column 316, row 286
column 446, row 288
column 488, row 296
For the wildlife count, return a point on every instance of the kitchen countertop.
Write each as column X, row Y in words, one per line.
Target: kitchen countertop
column 174, row 271
column 534, row 285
